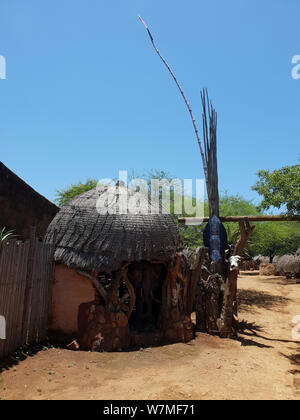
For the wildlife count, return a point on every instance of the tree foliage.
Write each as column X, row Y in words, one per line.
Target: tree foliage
column 274, row 238
column 230, row 205
column 280, row 188
column 268, row 238
column 65, row 194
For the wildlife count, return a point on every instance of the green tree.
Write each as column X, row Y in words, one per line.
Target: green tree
column 235, row 205
column 274, row 238
column 230, row 205
column 65, row 194
column 280, row 188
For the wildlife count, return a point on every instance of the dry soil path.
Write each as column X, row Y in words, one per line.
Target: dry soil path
column 263, row 364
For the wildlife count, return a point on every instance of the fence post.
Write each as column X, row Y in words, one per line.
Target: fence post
column 29, row 282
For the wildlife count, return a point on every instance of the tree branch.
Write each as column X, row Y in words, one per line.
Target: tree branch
column 184, row 97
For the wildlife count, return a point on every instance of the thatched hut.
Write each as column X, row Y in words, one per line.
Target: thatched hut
column 117, row 276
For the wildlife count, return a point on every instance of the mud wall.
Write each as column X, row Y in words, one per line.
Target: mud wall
column 69, row 290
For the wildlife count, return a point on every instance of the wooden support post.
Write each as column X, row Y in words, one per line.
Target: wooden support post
column 245, row 230
column 214, row 292
column 29, row 284
column 195, row 269
column 201, row 307
column 230, row 295
column 261, row 218
column 226, row 330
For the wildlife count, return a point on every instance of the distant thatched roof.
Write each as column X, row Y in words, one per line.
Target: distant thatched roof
column 22, row 207
column 89, row 240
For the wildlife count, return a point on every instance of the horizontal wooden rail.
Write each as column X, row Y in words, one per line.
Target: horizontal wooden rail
column 262, row 218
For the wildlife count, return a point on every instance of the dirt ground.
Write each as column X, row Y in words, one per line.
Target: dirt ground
column 264, row 363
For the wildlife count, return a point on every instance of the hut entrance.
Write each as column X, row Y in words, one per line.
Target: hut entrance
column 147, row 279
column 143, row 303
column 137, row 292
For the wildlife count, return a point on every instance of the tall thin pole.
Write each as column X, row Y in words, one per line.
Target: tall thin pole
column 185, row 100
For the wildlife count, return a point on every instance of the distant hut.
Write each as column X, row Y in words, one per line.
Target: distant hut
column 117, row 276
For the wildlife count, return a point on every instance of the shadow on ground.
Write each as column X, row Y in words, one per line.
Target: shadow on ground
column 249, row 298
column 21, row 354
column 295, row 361
column 281, row 281
column 250, row 329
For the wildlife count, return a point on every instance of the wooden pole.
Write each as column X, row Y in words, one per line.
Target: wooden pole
column 261, row 218
column 226, row 330
column 184, row 98
column 230, row 296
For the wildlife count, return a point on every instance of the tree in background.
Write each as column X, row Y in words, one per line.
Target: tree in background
column 230, row 205
column 274, row 238
column 235, row 205
column 65, row 194
column 280, row 188
column 268, row 238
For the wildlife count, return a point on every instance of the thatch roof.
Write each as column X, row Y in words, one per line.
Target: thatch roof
column 87, row 239
column 23, row 207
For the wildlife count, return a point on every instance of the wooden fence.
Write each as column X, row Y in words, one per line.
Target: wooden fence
column 25, row 285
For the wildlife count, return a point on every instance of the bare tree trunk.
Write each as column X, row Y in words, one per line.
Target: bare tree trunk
column 214, row 291
column 201, row 307
column 226, row 329
column 230, row 296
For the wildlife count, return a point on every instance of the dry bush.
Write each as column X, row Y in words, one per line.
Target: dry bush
column 260, row 259
column 288, row 265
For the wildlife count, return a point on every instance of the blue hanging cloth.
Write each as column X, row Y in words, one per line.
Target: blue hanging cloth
column 215, row 238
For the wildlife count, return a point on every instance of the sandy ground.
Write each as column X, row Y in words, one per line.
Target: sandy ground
column 264, row 363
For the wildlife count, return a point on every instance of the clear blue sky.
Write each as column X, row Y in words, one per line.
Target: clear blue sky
column 85, row 94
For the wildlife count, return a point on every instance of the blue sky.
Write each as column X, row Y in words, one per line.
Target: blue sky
column 85, row 94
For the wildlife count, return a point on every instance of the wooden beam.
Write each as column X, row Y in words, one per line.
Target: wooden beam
column 262, row 218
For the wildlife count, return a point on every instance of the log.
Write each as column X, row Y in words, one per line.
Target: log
column 226, row 330
column 213, row 302
column 201, row 307
column 262, row 218
column 230, row 295
column 195, row 268
column 246, row 230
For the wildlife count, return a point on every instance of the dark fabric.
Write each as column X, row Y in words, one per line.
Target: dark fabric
column 215, row 238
